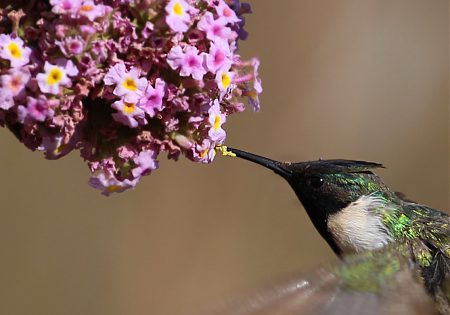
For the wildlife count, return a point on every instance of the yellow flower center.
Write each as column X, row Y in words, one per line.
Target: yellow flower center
column 59, row 149
column 113, row 188
column 216, row 122
column 15, row 84
column 226, row 80
column 178, row 9
column 14, row 50
column 86, row 8
column 54, row 76
column 129, row 84
column 129, row 107
column 204, row 153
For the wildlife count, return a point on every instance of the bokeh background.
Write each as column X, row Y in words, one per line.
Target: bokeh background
column 342, row 79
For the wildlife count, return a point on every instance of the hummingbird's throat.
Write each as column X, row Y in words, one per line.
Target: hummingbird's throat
column 359, row 227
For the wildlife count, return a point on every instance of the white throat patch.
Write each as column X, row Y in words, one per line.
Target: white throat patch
column 359, row 227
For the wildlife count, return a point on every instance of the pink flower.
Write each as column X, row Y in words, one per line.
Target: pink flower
column 12, row 49
column 87, row 30
column 54, row 147
column 250, row 83
column 216, row 119
column 99, row 50
column 225, row 12
column 204, row 152
column 15, row 81
column 68, row 7
column 90, row 10
column 257, row 87
column 128, row 114
column 109, row 184
column 183, row 141
column 214, row 29
column 21, row 112
column 126, row 152
column 145, row 162
column 128, row 84
column 139, row 78
column 6, row 99
column 38, row 108
column 152, row 102
column 219, row 56
column 56, row 75
column 190, row 61
column 147, row 30
column 178, row 17
column 71, row 46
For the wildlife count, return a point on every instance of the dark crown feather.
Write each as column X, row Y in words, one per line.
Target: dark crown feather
column 339, row 166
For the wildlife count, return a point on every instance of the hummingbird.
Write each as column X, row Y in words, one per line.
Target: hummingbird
column 395, row 252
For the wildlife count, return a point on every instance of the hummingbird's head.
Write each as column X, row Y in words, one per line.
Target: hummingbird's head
column 325, row 187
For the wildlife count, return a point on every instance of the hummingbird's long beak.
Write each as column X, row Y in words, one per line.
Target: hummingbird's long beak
column 278, row 167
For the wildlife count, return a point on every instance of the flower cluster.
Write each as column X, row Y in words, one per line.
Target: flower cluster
column 124, row 80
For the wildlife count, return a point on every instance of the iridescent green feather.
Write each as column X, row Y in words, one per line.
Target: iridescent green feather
column 421, row 227
column 372, row 271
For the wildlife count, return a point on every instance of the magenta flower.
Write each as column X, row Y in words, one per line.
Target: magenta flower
column 190, row 61
column 38, row 108
column 12, row 49
column 178, row 17
column 56, row 75
column 226, row 13
column 15, row 80
column 219, row 56
column 216, row 119
column 152, row 102
column 71, row 46
column 145, row 162
column 128, row 114
column 109, row 184
column 128, row 83
column 214, row 29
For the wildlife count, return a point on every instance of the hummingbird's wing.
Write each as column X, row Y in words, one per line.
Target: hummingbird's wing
column 431, row 248
column 372, row 283
column 430, row 225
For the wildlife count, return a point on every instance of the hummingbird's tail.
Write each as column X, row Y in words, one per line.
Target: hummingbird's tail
column 278, row 167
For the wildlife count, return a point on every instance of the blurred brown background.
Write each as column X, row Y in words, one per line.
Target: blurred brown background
column 342, row 79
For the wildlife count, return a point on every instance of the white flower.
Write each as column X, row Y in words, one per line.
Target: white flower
column 56, row 75
column 12, row 49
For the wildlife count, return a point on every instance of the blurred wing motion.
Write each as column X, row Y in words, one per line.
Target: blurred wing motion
column 379, row 282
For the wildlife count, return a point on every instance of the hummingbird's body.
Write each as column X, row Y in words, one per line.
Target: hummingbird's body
column 356, row 213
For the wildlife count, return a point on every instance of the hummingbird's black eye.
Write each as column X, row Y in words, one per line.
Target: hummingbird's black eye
column 316, row 181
